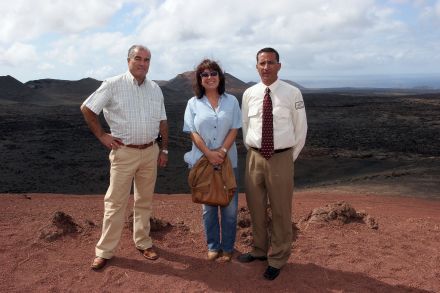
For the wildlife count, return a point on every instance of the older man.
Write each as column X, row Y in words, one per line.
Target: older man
column 134, row 109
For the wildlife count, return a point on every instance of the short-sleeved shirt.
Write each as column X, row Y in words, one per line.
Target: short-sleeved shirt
column 132, row 111
column 212, row 125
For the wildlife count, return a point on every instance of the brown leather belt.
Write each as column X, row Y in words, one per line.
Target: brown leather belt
column 275, row 151
column 140, row 146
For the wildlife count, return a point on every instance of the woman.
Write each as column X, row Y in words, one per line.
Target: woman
column 213, row 117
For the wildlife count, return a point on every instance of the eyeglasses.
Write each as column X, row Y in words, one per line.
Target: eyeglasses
column 208, row 74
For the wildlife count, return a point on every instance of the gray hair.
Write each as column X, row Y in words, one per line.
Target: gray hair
column 133, row 49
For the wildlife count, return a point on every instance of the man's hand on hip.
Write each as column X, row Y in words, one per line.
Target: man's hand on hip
column 110, row 142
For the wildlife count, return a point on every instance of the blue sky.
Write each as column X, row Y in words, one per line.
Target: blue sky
column 317, row 39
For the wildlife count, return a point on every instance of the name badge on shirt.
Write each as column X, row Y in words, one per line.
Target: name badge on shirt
column 299, row 105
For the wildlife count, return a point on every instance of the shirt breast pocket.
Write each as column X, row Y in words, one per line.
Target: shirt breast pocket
column 254, row 117
column 281, row 116
column 155, row 110
column 253, row 112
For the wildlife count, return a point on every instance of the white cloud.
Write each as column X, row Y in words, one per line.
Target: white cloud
column 101, row 73
column 97, row 55
column 437, row 9
column 190, row 31
column 46, row 66
column 24, row 20
column 18, row 53
column 74, row 40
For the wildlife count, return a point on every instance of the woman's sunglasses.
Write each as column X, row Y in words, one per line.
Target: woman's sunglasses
column 208, row 74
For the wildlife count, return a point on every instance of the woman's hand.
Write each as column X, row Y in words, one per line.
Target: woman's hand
column 215, row 157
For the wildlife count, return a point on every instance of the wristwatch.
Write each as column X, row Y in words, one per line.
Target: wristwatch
column 165, row 152
column 224, row 150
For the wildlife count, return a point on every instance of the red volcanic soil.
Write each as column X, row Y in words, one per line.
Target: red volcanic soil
column 401, row 255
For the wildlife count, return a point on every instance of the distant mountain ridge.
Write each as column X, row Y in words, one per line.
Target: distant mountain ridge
column 65, row 92
column 180, row 88
column 83, row 86
column 51, row 92
column 46, row 92
column 14, row 91
column 295, row 84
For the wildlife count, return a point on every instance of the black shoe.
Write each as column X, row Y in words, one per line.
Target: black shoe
column 271, row 273
column 247, row 257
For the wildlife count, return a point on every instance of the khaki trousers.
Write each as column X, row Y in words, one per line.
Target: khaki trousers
column 270, row 180
column 128, row 166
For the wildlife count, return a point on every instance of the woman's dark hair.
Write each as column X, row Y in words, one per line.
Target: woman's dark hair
column 211, row 65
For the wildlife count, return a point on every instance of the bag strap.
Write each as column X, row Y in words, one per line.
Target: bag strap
column 226, row 163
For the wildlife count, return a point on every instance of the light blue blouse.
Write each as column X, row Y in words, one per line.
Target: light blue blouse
column 212, row 125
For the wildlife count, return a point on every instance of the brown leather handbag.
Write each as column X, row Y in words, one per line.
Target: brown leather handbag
column 212, row 185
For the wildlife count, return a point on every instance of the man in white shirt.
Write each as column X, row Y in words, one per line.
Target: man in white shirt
column 270, row 160
column 134, row 109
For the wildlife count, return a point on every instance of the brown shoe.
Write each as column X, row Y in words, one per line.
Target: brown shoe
column 149, row 253
column 213, row 255
column 98, row 263
column 226, row 257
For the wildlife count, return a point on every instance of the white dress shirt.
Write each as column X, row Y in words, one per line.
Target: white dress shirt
column 289, row 116
column 132, row 111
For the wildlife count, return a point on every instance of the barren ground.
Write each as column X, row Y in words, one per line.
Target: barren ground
column 402, row 255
